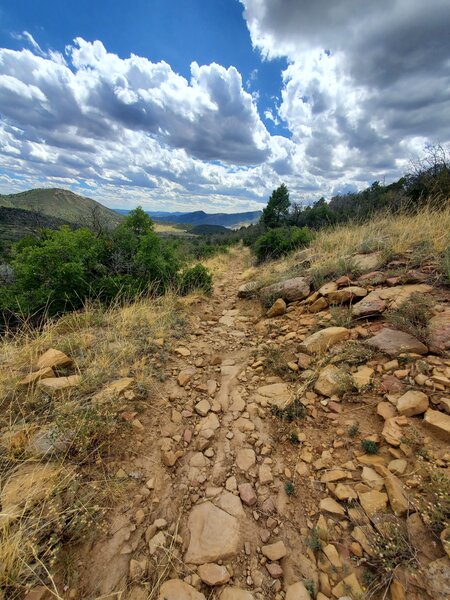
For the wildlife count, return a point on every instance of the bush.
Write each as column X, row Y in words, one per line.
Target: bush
column 413, row 316
column 279, row 242
column 196, row 278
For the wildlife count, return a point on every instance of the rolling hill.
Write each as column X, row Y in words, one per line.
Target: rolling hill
column 199, row 217
column 62, row 204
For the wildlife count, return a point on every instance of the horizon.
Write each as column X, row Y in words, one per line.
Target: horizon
column 211, row 106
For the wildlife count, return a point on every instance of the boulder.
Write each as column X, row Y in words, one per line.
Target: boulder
column 412, row 403
column 439, row 422
column 53, row 358
column 325, row 338
column 214, row 535
column 395, row 342
column 328, row 288
column 175, row 589
column 245, row 459
column 277, row 309
column 290, row 290
column 371, row 305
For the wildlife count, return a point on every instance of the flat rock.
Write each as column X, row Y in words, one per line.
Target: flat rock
column 290, row 290
column 245, row 459
column 395, row 342
column 213, row 574
column 412, row 403
column 175, row 589
column 371, row 305
column 372, row 479
column 367, row 262
column 349, row 585
column 373, row 502
column 330, row 380
column 274, row 551
column 362, row 377
column 58, row 385
column 277, row 394
column 44, row 373
column 235, row 593
column 386, row 410
column 439, row 422
column 331, row 506
column 53, row 358
column 346, row 295
column 214, row 535
column 325, row 338
column 437, row 576
column 439, row 332
column 297, row 591
column 185, row 376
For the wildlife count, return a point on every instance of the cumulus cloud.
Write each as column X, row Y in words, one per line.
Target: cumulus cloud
column 367, row 83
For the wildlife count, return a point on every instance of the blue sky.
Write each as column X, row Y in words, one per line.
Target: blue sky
column 323, row 96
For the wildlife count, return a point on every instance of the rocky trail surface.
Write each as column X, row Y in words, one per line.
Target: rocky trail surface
column 251, row 478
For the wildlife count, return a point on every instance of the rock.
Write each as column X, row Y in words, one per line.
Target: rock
column 335, row 475
column 395, row 342
column 214, row 535
column 44, row 373
column 330, row 381
column 439, row 422
column 235, row 593
column 28, row 485
column 386, row 410
column 320, row 341
column 245, row 459
column 439, row 332
column 318, row 305
column 202, row 408
column 345, row 492
column 422, row 539
column 46, row 441
column 113, row 389
column 412, row 403
column 373, row 502
column 277, row 309
column 297, row 591
column 372, row 479
column 39, row 592
column 328, row 288
column 58, row 385
column 53, row 358
column 367, row 262
column 265, row 474
column 185, row 376
column 392, row 431
column 437, row 576
column 362, row 377
column 397, row 466
column 290, row 290
column 397, row 591
column 249, row 290
column 348, row 585
column 445, row 539
column 331, row 506
column 275, row 570
column 175, row 589
column 346, row 294
column 274, row 551
column 371, row 305
column 397, row 497
column 277, row 394
column 247, row 494
column 213, row 574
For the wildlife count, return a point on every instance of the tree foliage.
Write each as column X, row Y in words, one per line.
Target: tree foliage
column 277, row 209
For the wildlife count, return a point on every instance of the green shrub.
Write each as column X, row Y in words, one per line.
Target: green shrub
column 279, row 242
column 413, row 316
column 196, row 278
column 369, row 447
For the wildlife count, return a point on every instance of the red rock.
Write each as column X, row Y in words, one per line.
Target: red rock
column 247, row 494
column 275, row 570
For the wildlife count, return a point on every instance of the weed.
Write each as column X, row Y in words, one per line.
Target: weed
column 276, row 364
column 289, row 488
column 353, row 431
column 444, row 266
column 293, row 438
column 341, row 316
column 432, row 497
column 310, row 586
column 354, row 353
column 295, row 410
column 313, row 541
column 413, row 316
column 413, row 438
column 369, row 446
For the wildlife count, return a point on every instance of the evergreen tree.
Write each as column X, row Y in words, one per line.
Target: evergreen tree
column 277, row 210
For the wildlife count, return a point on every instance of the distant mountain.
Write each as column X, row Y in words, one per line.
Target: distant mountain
column 62, row 204
column 152, row 213
column 199, row 217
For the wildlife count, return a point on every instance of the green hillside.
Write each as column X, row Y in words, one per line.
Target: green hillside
column 63, row 204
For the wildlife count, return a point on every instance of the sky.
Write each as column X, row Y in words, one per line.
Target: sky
column 181, row 105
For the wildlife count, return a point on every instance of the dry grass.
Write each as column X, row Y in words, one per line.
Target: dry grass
column 105, row 345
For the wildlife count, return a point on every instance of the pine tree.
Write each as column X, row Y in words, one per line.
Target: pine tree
column 277, row 209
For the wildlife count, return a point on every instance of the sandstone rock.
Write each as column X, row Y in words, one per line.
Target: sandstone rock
column 26, row 486
column 445, row 539
column 439, row 422
column 277, row 309
column 345, row 492
column 265, row 474
column 44, row 373
column 175, row 589
column 274, row 551
column 58, row 385
column 113, row 389
column 325, row 338
column 348, row 585
column 245, row 459
column 373, row 502
column 397, row 497
column 397, row 466
column 439, row 328
column 328, row 288
column 185, row 376
column 437, row 576
column 213, row 574
column 367, row 262
column 412, row 403
column 386, row 410
column 362, row 377
column 290, row 290
column 249, row 289
column 369, row 306
column 395, row 342
column 372, row 479
column 330, row 381
column 346, row 294
column 397, row 591
column 277, row 394
column 214, row 535
column 318, row 305
column 53, row 358
column 422, row 539
column 202, row 408
column 331, row 506
column 297, row 591
column 235, row 593
column 275, row 570
column 392, row 431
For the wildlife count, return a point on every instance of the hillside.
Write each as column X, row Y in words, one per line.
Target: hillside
column 291, row 428
column 62, row 204
column 199, row 217
column 17, row 222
